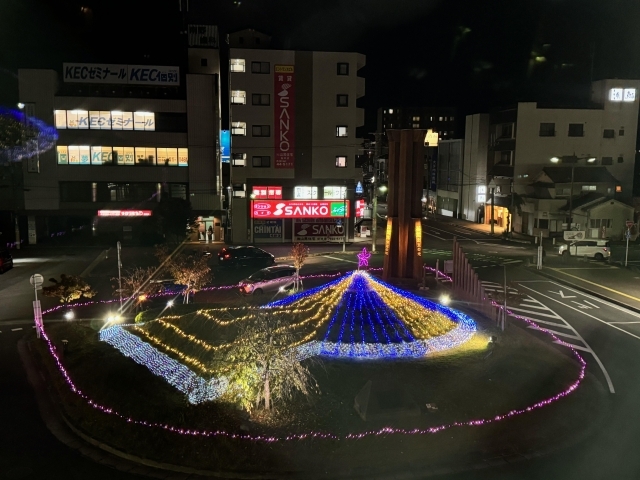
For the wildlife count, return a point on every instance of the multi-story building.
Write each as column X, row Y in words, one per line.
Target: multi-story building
column 127, row 136
column 439, row 119
column 293, row 139
column 515, row 145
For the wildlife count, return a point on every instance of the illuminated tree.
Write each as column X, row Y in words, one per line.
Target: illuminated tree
column 68, row 288
column 190, row 270
column 299, row 252
column 263, row 366
column 135, row 282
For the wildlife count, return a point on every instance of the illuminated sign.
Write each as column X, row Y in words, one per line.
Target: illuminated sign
column 317, row 230
column 284, row 112
column 360, row 204
column 629, row 94
column 308, row 193
column 127, row 74
column 334, row 193
column 482, row 189
column 104, row 120
column 482, row 198
column 124, row 213
column 359, row 189
column 299, row 209
column 264, row 193
column 431, row 139
column 622, row 94
column 225, row 146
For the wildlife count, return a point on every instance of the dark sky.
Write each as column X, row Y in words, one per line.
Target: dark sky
column 471, row 54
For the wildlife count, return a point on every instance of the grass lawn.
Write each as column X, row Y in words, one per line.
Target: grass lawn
column 468, row 384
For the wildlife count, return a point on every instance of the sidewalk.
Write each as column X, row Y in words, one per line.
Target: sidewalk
column 615, row 284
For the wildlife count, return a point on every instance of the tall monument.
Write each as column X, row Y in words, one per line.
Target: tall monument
column 403, row 241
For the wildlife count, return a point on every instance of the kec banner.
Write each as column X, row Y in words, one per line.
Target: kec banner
column 127, row 74
column 299, row 209
column 284, row 116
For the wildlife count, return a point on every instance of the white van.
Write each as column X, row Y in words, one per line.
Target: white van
column 597, row 249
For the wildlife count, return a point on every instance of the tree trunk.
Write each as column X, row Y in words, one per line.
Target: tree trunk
column 267, row 394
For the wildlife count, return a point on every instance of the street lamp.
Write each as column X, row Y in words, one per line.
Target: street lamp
column 230, row 192
column 572, row 159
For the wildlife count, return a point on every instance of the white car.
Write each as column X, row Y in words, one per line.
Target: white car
column 597, row 249
column 270, row 279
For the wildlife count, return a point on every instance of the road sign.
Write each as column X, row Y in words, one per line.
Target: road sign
column 574, row 235
column 37, row 316
column 630, row 223
column 36, row 280
column 628, row 234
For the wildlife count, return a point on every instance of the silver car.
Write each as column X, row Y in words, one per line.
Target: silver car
column 269, row 280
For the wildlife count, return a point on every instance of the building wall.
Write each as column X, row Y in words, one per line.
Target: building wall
column 476, row 145
column 616, row 211
column 451, row 177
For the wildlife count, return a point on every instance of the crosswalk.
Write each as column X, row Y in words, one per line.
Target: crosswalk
column 478, row 260
column 544, row 319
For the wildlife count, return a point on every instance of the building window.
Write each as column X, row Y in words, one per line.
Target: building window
column 203, row 62
column 440, row 118
column 416, row 119
column 167, row 157
column 506, row 130
column 263, row 99
column 505, row 157
column 608, row 133
column 451, row 119
column 562, row 191
column 416, row 125
column 103, row 155
column 341, row 162
column 621, row 132
column 343, row 69
column 334, row 193
column 342, row 100
column 541, row 223
column 260, row 67
column 607, row 161
column 60, row 119
column 391, row 111
column 547, row 129
column 145, row 156
column 122, row 120
column 341, row 131
column 576, row 129
column 143, row 121
column 261, row 130
column 588, row 188
column 618, row 188
column 261, row 162
column 238, row 128
column 238, row 159
column 305, row 193
column 237, row 65
column 238, row 97
column 620, row 159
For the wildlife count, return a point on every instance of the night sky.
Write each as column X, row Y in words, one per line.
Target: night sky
column 470, row 54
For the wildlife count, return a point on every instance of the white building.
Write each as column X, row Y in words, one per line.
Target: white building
column 293, row 137
column 521, row 141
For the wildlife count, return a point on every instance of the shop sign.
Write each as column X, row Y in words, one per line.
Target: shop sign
column 127, row 74
column 284, row 116
column 317, row 230
column 299, row 209
column 225, row 146
column 124, row 213
column 267, row 229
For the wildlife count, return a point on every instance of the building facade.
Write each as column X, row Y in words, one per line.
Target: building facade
column 293, row 139
column 127, row 137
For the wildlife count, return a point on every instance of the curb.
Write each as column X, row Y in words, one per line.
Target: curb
column 601, row 296
column 103, row 255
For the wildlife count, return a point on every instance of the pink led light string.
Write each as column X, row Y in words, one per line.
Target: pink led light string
column 325, row 435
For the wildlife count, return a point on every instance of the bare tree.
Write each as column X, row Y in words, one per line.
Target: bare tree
column 68, row 288
column 263, row 365
column 136, row 282
column 299, row 252
column 192, row 271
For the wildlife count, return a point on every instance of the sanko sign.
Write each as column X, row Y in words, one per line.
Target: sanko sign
column 129, row 74
column 124, row 213
column 299, row 209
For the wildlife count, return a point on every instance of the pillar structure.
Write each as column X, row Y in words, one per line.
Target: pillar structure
column 403, row 241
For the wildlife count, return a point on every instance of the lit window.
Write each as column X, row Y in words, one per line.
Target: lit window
column 238, row 159
column 341, row 131
column 618, row 188
column 100, row 120
column 101, row 156
column 440, row 118
column 145, row 156
column 121, row 120
column 305, row 193
column 341, row 162
column 78, row 119
column 335, row 193
column 183, row 157
column 60, row 117
column 62, row 154
column 238, row 128
column 143, row 121
column 238, row 97
column 391, row 110
column 588, row 188
column 416, row 125
column 167, row 157
column 237, row 65
column 416, row 119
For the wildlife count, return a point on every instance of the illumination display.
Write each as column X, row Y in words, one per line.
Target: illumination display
column 14, row 125
column 363, row 258
column 289, row 437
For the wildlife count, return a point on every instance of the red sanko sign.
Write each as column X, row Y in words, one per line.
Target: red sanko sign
column 284, row 116
column 299, row 209
column 124, row 213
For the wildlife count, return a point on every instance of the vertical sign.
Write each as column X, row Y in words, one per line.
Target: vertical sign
column 284, row 116
column 434, row 171
column 225, row 146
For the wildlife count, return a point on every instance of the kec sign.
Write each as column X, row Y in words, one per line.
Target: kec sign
column 299, row 209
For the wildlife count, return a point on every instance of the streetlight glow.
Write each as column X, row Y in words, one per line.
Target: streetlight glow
column 383, row 188
column 69, row 315
column 591, row 160
column 170, row 303
column 445, row 299
column 555, row 159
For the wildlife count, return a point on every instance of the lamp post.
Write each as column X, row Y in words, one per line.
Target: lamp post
column 572, row 159
column 230, row 191
column 252, row 197
column 374, row 215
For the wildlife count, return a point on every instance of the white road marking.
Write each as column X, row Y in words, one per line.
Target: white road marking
column 535, row 313
column 544, row 321
column 16, row 329
column 562, row 334
column 562, row 295
column 340, row 259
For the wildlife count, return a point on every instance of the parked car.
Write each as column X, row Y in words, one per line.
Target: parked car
column 245, row 256
column 6, row 260
column 269, row 280
column 598, row 249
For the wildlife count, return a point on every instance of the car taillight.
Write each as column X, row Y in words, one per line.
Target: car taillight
column 227, row 256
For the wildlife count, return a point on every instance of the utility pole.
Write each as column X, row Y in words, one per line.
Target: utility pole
column 344, row 219
column 374, row 214
column 119, row 275
column 573, row 166
column 493, row 198
column 504, row 306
